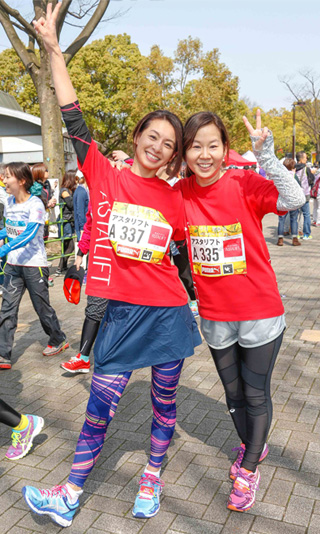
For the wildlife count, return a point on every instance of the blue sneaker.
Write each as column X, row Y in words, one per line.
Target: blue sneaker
column 147, row 503
column 53, row 502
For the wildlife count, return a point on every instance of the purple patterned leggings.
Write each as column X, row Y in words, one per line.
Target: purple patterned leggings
column 106, row 391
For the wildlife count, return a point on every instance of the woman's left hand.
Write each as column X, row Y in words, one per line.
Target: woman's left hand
column 262, row 133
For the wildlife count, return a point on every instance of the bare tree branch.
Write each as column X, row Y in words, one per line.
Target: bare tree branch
column 62, row 15
column 114, row 16
column 308, row 93
column 16, row 14
column 87, row 31
column 18, row 45
column 81, row 13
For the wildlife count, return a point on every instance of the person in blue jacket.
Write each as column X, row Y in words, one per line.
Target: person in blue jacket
column 27, row 265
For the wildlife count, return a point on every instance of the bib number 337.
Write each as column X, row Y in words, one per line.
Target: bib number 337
column 138, row 232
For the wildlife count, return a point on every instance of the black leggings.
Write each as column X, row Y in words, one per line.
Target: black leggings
column 246, row 374
column 8, row 416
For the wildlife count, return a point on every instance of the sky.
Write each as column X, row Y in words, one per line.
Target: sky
column 260, row 41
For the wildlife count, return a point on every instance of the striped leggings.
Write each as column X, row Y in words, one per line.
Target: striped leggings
column 106, row 391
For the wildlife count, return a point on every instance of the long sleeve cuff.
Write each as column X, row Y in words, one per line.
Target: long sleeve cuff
column 291, row 196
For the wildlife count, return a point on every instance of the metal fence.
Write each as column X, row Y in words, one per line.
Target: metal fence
column 62, row 239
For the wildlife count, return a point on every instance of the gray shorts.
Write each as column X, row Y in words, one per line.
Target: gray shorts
column 223, row 334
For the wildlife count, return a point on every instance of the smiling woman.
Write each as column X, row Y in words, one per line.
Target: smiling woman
column 148, row 321
column 26, row 266
column 156, row 144
column 242, row 316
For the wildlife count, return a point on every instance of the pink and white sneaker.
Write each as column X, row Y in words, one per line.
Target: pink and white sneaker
column 237, row 464
column 243, row 494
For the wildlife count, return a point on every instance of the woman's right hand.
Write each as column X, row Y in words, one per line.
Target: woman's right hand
column 119, row 155
column 46, row 27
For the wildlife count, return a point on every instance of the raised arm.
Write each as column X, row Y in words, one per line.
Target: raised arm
column 291, row 195
column 66, row 95
column 46, row 28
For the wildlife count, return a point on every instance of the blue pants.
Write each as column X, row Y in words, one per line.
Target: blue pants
column 305, row 210
column 293, row 223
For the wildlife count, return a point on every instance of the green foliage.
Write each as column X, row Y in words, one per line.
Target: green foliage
column 117, row 85
column 17, row 82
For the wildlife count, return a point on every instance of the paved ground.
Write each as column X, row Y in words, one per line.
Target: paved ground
column 196, row 471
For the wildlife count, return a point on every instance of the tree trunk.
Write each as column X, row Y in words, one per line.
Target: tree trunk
column 51, row 124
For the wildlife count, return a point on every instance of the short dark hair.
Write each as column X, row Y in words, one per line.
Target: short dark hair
column 289, row 163
column 175, row 122
column 21, row 171
column 197, row 121
column 300, row 154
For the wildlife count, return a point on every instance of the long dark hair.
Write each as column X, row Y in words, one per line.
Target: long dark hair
column 197, row 121
column 21, row 171
column 176, row 123
column 69, row 180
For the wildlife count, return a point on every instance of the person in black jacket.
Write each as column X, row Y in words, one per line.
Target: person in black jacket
column 66, row 226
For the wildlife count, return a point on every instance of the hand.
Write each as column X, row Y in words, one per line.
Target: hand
column 46, row 27
column 78, row 262
column 262, row 133
column 1, row 243
column 119, row 154
column 52, row 202
column 119, row 164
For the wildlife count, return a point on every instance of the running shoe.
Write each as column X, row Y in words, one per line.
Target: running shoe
column 194, row 308
column 76, row 365
column 60, row 272
column 50, row 282
column 237, row 464
column 243, row 494
column 4, row 363
column 55, row 502
column 305, row 237
column 22, row 440
column 147, row 503
column 51, row 351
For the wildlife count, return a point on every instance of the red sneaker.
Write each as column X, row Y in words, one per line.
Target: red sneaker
column 4, row 363
column 76, row 365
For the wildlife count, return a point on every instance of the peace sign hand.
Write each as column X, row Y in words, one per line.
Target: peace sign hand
column 46, row 27
column 262, row 133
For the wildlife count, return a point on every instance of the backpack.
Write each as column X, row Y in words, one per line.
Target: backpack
column 39, row 191
column 315, row 188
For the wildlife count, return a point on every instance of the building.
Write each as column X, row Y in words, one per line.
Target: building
column 20, row 135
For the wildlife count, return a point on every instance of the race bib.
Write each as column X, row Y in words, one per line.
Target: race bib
column 218, row 250
column 14, row 228
column 138, row 232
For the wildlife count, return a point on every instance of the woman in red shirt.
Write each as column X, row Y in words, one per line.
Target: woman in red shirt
column 242, row 316
column 148, row 321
